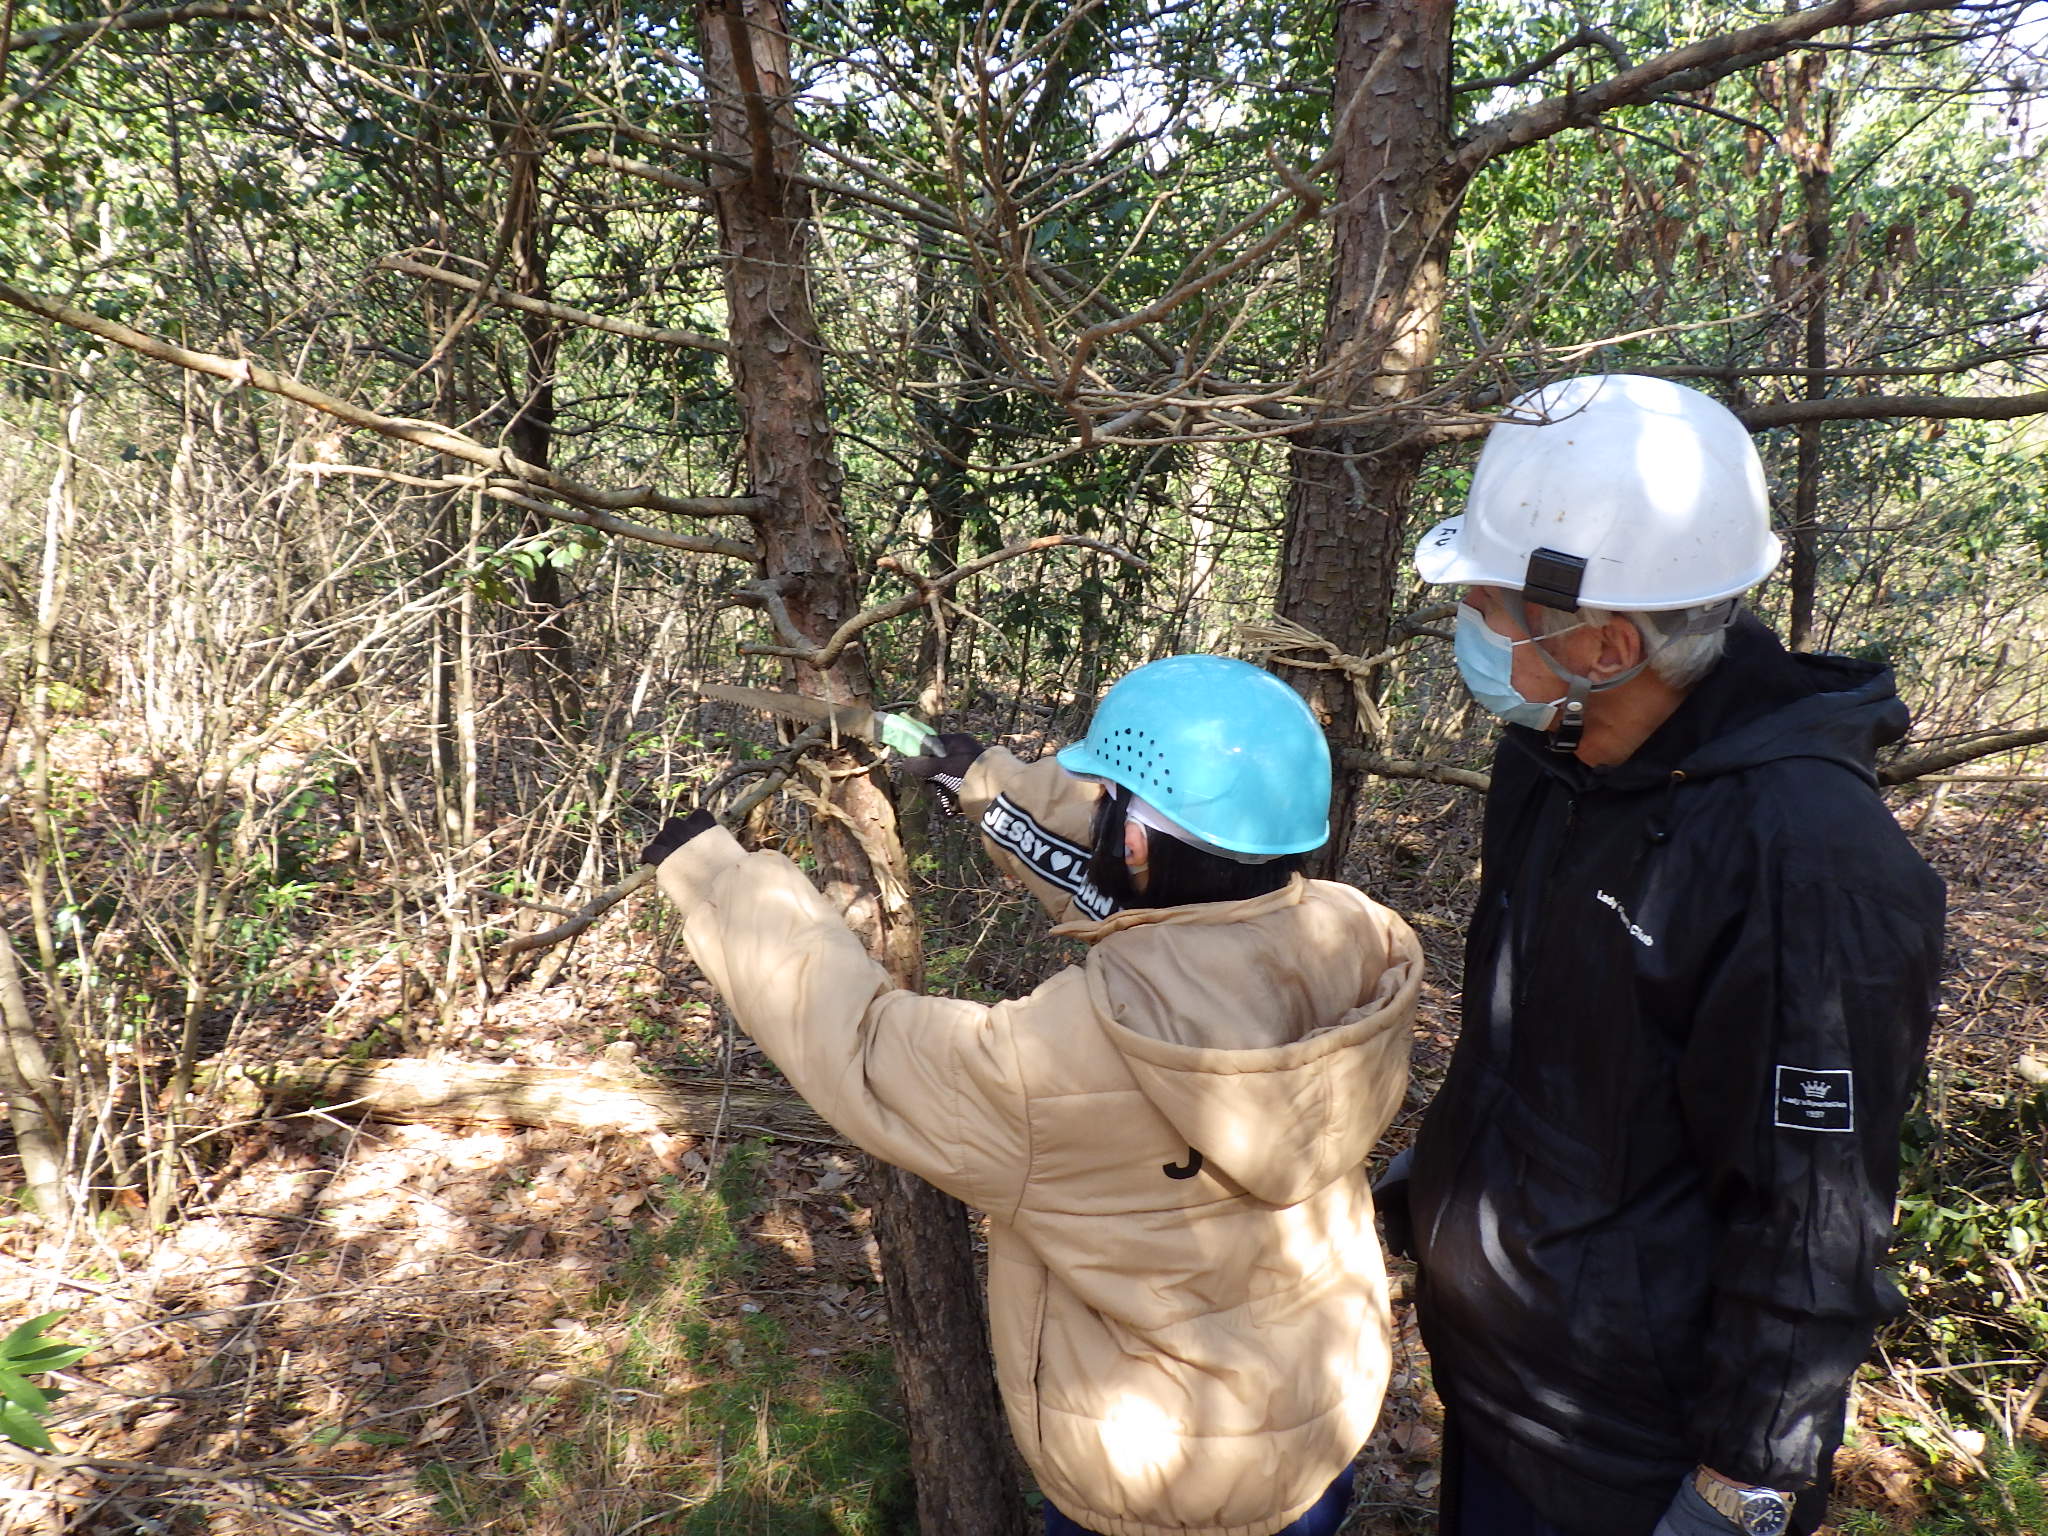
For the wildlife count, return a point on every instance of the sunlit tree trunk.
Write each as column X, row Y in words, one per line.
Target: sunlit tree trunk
column 959, row 1451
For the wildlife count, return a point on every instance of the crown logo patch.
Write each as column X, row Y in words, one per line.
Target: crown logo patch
column 1814, row 1099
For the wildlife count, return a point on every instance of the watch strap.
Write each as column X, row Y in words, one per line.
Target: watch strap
column 1739, row 1505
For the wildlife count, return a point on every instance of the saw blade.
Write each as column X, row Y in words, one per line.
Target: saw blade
column 853, row 719
column 906, row 735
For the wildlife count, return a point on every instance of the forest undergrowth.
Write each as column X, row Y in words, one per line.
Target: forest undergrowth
column 368, row 1326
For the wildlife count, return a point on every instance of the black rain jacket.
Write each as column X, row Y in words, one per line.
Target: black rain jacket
column 1651, row 1200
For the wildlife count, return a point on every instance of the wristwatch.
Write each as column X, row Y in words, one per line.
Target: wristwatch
column 1755, row 1511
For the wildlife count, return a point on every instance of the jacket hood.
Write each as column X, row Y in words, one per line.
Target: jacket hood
column 1760, row 704
column 1268, row 1031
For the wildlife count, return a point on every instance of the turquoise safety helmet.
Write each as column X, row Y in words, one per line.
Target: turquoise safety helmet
column 1218, row 746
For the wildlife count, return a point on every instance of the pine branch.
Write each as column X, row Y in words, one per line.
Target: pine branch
column 1689, row 68
column 1785, row 413
column 1908, row 766
column 930, row 587
column 553, row 311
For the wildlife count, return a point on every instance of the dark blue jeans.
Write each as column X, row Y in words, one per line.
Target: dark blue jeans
column 1477, row 1501
column 1322, row 1519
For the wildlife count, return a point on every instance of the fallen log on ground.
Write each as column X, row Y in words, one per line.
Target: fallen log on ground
column 600, row 1101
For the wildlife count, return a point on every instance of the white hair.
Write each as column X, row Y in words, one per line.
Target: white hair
column 1680, row 652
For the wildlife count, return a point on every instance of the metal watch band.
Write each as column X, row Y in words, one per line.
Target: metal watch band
column 1754, row 1511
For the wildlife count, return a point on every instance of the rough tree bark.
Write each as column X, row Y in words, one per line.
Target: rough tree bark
column 35, row 1097
column 958, row 1445
column 1811, row 145
column 1350, row 483
column 532, row 430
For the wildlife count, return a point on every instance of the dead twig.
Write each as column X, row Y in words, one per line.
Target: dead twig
column 553, row 311
column 423, row 434
column 1269, row 638
column 926, row 588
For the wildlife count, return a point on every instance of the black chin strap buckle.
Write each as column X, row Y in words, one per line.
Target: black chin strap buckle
column 1571, row 724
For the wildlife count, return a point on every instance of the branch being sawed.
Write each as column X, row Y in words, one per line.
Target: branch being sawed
column 611, row 896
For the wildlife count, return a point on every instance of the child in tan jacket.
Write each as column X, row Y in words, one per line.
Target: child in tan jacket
column 1186, row 1292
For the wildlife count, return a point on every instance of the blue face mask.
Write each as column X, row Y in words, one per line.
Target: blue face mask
column 1487, row 663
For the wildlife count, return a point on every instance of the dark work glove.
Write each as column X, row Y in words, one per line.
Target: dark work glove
column 675, row 832
column 943, row 764
column 1691, row 1515
column 1390, row 1199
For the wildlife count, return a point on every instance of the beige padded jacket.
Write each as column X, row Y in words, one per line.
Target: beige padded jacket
column 1186, row 1293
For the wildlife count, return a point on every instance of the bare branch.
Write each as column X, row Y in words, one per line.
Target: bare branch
column 1688, row 68
column 659, row 175
column 1785, row 413
column 908, row 205
column 1417, row 768
column 217, row 10
column 824, row 655
column 497, row 490
column 1308, row 200
column 554, row 311
column 589, row 913
column 1587, row 36
column 421, row 434
column 1909, row 766
column 1847, row 370
column 768, row 594
column 772, row 780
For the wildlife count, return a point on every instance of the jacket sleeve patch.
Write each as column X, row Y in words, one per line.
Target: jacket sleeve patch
column 1815, row 1099
column 1050, row 857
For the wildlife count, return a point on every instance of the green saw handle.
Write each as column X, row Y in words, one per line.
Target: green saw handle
column 908, row 736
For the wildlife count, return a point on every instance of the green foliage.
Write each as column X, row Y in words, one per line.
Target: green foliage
column 2011, row 1501
column 26, row 1352
column 560, row 547
column 1973, row 1231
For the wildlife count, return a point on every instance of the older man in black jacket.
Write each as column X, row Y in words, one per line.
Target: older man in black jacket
column 1652, row 1199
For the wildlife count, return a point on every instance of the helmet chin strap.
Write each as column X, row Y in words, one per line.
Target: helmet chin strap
column 1570, row 727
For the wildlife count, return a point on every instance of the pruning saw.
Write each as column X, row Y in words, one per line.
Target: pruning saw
column 908, row 736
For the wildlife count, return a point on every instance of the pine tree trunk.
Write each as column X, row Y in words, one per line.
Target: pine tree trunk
column 1813, row 150
column 532, row 431
column 958, row 1447
column 1351, row 477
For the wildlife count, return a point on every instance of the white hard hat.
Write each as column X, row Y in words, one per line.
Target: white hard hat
column 1611, row 491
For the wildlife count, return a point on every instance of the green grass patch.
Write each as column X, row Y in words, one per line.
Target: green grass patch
column 2012, row 1500
column 699, row 1418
